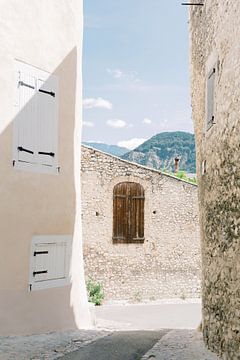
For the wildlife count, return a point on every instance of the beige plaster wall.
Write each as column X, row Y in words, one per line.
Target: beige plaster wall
column 167, row 264
column 214, row 34
column 46, row 34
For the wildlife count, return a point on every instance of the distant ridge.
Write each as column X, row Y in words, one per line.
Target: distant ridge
column 110, row 149
column 160, row 151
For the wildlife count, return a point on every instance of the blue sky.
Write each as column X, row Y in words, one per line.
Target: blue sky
column 135, row 70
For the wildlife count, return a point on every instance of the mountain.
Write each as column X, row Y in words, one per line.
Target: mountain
column 109, row 149
column 160, row 151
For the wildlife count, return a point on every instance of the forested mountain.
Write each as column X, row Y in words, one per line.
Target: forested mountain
column 160, row 151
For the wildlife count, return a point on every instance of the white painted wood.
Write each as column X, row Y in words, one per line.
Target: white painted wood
column 35, row 124
column 210, row 96
column 52, row 254
column 47, row 120
column 26, row 117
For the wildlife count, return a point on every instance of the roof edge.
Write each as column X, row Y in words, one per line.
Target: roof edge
column 139, row 165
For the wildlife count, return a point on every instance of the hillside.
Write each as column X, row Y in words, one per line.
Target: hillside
column 109, row 149
column 160, row 151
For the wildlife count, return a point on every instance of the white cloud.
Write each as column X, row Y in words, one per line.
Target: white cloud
column 88, row 124
column 132, row 143
column 91, row 103
column 120, row 74
column 117, row 74
column 116, row 123
column 147, row 121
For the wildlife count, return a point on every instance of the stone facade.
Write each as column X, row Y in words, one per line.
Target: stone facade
column 167, row 264
column 215, row 34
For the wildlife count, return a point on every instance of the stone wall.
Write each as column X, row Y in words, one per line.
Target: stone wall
column 215, row 34
column 167, row 264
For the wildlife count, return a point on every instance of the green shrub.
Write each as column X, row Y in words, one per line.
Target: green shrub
column 95, row 292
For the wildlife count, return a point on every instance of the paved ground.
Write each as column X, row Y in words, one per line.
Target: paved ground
column 180, row 345
column 48, row 346
column 149, row 317
column 118, row 346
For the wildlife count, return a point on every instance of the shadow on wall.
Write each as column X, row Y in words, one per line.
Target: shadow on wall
column 34, row 203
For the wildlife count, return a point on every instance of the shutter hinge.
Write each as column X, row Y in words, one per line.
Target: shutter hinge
column 46, row 153
column 14, row 162
column 30, row 287
column 40, row 252
column 58, row 169
column 51, row 93
column 40, row 272
column 27, row 85
column 20, row 148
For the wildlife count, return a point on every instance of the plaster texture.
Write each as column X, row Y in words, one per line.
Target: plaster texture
column 48, row 35
column 214, row 36
column 167, row 264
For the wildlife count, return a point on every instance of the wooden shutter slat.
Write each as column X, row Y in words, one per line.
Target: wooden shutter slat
column 128, row 212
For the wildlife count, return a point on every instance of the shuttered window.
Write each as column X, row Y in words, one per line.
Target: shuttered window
column 35, row 123
column 50, row 261
column 210, row 97
column 128, row 213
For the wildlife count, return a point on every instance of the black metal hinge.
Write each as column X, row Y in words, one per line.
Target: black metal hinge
column 39, row 272
column 46, row 153
column 20, row 148
column 39, row 253
column 192, row 4
column 51, row 93
column 27, row 85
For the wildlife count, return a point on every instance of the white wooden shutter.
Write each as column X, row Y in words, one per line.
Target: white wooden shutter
column 40, row 269
column 35, row 126
column 50, row 261
column 26, row 118
column 47, row 121
column 210, row 97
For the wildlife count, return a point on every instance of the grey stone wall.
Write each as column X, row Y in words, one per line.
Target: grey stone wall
column 167, row 264
column 215, row 34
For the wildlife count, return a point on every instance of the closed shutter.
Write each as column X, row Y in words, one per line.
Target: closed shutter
column 41, row 262
column 26, row 118
column 210, row 97
column 128, row 212
column 47, row 121
column 120, row 212
column 35, row 126
column 57, row 261
column 136, row 212
column 50, row 261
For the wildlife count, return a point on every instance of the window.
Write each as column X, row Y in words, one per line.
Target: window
column 35, row 124
column 128, row 213
column 49, row 263
column 210, row 97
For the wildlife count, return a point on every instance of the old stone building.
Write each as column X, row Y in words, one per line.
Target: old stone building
column 140, row 230
column 215, row 72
